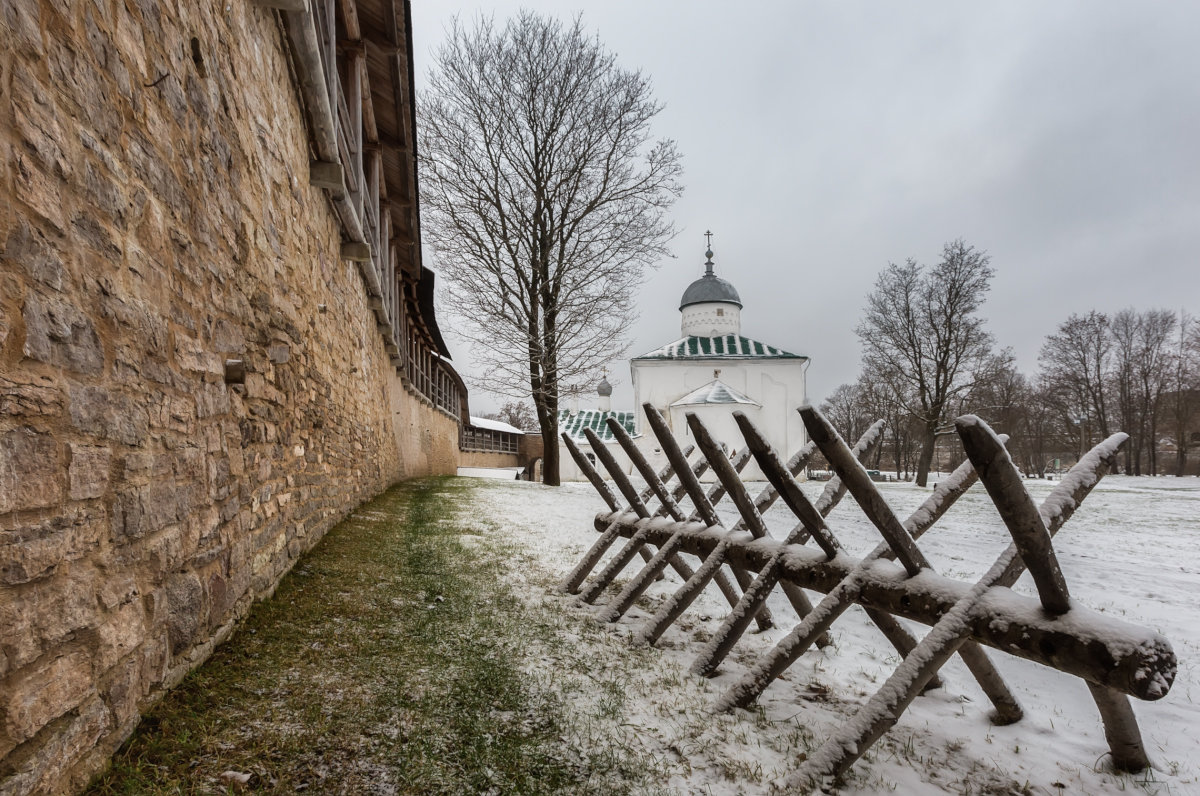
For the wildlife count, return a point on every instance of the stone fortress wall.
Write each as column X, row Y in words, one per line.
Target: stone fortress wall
column 158, row 221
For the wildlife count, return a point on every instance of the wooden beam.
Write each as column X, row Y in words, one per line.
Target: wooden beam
column 357, row 252
column 393, row 142
column 300, row 6
column 1099, row 648
column 328, row 176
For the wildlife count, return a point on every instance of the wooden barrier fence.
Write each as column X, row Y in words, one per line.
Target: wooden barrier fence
column 1115, row 659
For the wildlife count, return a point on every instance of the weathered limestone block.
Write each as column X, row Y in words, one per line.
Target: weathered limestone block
column 59, row 334
column 36, row 120
column 257, row 386
column 36, row 396
column 100, row 238
column 228, row 337
column 31, row 475
column 221, row 598
column 279, row 353
column 219, row 478
column 44, row 693
column 121, row 689
column 30, row 250
column 185, row 607
column 31, row 552
column 89, row 471
column 189, row 464
column 172, row 413
column 39, row 190
column 211, row 400
column 121, row 632
column 147, row 329
column 23, row 34
column 49, row 612
column 69, row 738
column 103, row 194
column 110, row 414
column 142, row 510
column 70, row 66
column 191, row 354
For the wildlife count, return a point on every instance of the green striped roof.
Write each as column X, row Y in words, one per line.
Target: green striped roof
column 731, row 346
column 573, row 424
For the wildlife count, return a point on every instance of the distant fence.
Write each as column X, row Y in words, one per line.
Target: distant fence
column 1114, row 658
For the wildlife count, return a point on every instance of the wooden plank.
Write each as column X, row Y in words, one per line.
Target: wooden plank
column 356, row 252
column 327, row 175
column 1094, row 646
column 299, row 6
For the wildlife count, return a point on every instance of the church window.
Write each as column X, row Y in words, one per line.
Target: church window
column 720, row 313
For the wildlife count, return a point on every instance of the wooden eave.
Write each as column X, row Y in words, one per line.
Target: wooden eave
column 384, row 30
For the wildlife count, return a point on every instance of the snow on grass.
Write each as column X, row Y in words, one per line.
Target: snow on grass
column 1130, row 552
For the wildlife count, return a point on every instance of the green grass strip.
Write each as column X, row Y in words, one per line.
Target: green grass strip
column 386, row 662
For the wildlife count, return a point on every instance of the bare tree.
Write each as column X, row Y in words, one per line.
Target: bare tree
column 1075, row 362
column 1184, row 400
column 1125, row 331
column 1004, row 401
column 1152, row 371
column 1141, row 374
column 1043, row 439
column 847, row 411
column 544, row 199
column 923, row 337
column 517, row 414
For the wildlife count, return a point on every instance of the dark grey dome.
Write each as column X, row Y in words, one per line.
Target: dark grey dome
column 710, row 287
column 604, row 390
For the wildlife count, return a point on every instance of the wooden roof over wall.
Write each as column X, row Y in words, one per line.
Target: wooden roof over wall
column 385, row 29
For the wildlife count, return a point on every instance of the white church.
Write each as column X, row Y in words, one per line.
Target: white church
column 712, row 370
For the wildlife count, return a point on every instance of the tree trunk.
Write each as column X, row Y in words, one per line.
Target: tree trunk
column 928, row 442
column 550, row 468
column 547, row 414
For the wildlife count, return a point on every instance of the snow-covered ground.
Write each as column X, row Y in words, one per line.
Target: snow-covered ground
column 1132, row 550
column 499, row 473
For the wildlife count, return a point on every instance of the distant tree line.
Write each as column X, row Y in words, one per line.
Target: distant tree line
column 928, row 359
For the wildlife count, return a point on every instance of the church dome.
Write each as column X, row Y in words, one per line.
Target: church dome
column 604, row 389
column 710, row 288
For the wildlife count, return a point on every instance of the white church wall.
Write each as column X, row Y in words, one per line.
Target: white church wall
column 777, row 384
column 711, row 320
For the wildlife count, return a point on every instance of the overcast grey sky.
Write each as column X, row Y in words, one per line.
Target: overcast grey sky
column 822, row 140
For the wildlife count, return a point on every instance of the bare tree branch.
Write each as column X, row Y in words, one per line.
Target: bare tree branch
column 924, row 342
column 545, row 200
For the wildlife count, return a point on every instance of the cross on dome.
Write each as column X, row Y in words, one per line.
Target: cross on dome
column 710, row 288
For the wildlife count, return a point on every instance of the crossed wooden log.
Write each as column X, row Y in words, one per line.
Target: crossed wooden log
column 1114, row 658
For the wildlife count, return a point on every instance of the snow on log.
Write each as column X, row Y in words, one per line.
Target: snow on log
column 1020, row 514
column 1083, row 643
